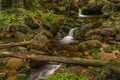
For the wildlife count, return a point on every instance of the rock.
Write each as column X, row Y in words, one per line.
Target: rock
column 89, row 26
column 32, row 23
column 19, row 36
column 36, row 64
column 90, row 44
column 108, row 24
column 108, row 32
column 93, row 10
column 40, row 42
column 117, row 37
column 19, row 28
column 101, row 34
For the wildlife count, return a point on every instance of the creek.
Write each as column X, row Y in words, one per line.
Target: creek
column 51, row 67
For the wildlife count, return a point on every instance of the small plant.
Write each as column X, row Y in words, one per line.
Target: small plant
column 66, row 76
column 108, row 49
column 20, row 65
column 2, row 62
column 93, row 51
column 3, row 76
column 21, row 77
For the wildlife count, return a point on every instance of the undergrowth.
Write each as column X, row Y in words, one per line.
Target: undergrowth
column 67, row 76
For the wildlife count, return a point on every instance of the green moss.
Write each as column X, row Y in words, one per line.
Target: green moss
column 20, row 65
column 21, row 77
column 108, row 49
column 93, row 51
column 91, row 44
column 10, row 17
column 3, row 76
column 2, row 62
column 67, row 76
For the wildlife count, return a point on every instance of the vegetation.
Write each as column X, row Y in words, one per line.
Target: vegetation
column 47, row 21
column 67, row 76
column 2, row 62
column 21, row 77
column 108, row 49
column 20, row 65
column 15, row 16
column 3, row 76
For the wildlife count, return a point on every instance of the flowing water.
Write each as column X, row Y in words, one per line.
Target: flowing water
column 81, row 15
column 69, row 38
column 86, row 16
column 46, row 70
column 50, row 68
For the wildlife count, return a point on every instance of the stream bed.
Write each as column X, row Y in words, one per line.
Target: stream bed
column 44, row 71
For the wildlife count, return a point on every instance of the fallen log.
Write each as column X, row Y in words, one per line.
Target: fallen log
column 81, row 61
column 15, row 44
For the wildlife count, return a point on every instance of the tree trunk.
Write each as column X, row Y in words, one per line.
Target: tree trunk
column 81, row 61
column 0, row 6
column 15, row 44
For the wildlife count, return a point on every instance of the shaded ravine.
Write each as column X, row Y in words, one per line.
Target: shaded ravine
column 51, row 67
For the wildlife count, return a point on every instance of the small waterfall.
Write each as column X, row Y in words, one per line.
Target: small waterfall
column 46, row 70
column 81, row 15
column 69, row 38
column 71, row 32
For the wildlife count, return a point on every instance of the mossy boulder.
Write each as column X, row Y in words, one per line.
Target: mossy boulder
column 32, row 22
column 91, row 44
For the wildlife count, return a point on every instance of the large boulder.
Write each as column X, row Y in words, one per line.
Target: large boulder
column 102, row 33
column 90, row 44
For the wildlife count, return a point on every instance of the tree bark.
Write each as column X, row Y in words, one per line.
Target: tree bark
column 15, row 44
column 0, row 6
column 81, row 61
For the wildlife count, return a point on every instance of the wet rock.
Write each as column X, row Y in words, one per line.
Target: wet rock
column 90, row 26
column 36, row 64
column 93, row 10
column 90, row 44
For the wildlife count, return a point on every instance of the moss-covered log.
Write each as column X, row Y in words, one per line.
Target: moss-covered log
column 81, row 61
column 15, row 44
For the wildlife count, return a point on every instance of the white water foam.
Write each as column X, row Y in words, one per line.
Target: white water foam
column 81, row 15
column 46, row 70
column 69, row 38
